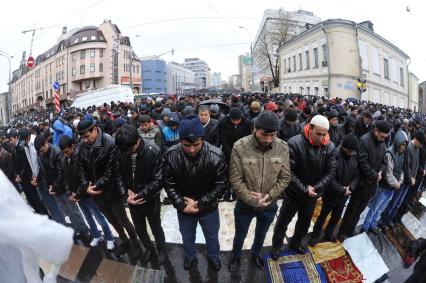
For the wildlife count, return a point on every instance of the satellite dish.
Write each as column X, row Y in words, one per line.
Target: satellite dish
column 408, row 8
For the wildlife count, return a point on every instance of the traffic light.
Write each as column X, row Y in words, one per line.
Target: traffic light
column 362, row 85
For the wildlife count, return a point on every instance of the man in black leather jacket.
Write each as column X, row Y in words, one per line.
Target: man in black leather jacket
column 370, row 159
column 195, row 176
column 51, row 174
column 101, row 179
column 141, row 167
column 313, row 166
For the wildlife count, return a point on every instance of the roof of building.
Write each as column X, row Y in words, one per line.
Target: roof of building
column 80, row 36
column 345, row 22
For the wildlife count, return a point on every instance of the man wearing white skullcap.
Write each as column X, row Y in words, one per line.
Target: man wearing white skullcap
column 313, row 166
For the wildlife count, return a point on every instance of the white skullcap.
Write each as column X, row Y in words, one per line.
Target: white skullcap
column 320, row 121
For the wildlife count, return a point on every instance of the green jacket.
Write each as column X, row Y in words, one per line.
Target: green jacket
column 252, row 170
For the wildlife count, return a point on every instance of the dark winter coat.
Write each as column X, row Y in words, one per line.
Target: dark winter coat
column 51, row 169
column 347, row 174
column 201, row 178
column 287, row 130
column 211, row 132
column 230, row 133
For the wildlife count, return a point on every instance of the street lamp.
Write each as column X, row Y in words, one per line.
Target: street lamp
column 251, row 55
column 9, row 96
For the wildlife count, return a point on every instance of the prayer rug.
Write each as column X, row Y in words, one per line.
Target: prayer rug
column 326, row 251
column 292, row 267
column 400, row 237
column 341, row 270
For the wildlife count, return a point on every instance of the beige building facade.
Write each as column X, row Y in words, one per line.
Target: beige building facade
column 86, row 58
column 329, row 58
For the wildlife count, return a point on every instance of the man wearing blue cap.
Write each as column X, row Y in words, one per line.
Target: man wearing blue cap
column 195, row 175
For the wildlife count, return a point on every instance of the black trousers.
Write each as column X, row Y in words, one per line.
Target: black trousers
column 336, row 212
column 304, row 209
column 150, row 212
column 34, row 199
column 357, row 203
column 116, row 215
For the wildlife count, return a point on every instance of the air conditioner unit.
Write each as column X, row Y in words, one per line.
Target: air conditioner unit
column 324, row 63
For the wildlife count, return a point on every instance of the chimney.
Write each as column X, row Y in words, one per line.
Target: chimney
column 368, row 25
column 64, row 30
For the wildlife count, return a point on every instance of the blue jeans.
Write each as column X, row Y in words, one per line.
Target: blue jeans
column 377, row 205
column 90, row 210
column 71, row 210
column 243, row 217
column 398, row 198
column 209, row 223
column 50, row 203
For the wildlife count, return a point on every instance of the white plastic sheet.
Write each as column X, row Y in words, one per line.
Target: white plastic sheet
column 25, row 237
column 366, row 257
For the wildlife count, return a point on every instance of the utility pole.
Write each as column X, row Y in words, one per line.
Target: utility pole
column 32, row 37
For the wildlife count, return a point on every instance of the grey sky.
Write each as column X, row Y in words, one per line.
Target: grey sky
column 207, row 29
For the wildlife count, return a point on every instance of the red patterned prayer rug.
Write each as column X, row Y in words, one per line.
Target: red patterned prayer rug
column 341, row 270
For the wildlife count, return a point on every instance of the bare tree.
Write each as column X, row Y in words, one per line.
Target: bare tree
column 270, row 39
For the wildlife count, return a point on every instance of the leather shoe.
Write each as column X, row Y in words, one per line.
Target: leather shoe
column 216, row 264
column 257, row 260
column 234, row 263
column 314, row 241
column 275, row 253
column 188, row 264
column 298, row 248
column 374, row 230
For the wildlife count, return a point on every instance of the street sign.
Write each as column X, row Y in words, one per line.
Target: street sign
column 30, row 62
column 246, row 60
column 56, row 85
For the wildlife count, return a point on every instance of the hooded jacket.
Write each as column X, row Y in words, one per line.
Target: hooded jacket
column 170, row 136
column 411, row 162
column 60, row 129
column 393, row 160
column 310, row 165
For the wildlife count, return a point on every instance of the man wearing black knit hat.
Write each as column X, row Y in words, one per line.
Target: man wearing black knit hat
column 337, row 193
column 370, row 158
column 335, row 130
column 257, row 198
column 194, row 178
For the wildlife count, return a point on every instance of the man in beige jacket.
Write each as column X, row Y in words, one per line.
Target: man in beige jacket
column 259, row 173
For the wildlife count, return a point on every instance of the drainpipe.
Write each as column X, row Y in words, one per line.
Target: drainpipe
column 359, row 56
column 328, row 51
column 408, row 83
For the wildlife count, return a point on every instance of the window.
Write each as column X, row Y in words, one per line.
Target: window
column 92, row 68
column 101, row 53
column 82, row 69
column 82, row 54
column 386, row 68
column 73, row 71
column 300, row 62
column 289, row 65
column 84, row 38
column 93, row 37
column 87, row 84
column 325, row 55
column 294, row 63
column 316, row 91
column 285, row 65
column 76, row 40
column 101, row 37
column 376, row 60
column 401, row 76
column 62, row 76
column 308, row 63
column 101, row 67
column 92, row 53
column 315, row 57
column 308, row 90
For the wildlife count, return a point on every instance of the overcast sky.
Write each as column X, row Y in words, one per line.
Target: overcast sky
column 207, row 29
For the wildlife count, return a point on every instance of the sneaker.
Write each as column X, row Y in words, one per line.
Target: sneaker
column 95, row 241
column 110, row 245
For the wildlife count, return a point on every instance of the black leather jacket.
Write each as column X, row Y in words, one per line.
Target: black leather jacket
column 211, row 132
column 347, row 174
column 147, row 181
column 71, row 177
column 201, row 178
column 98, row 164
column 310, row 165
column 51, row 169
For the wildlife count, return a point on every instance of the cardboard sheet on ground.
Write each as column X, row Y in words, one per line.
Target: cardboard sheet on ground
column 365, row 256
column 414, row 225
column 423, row 201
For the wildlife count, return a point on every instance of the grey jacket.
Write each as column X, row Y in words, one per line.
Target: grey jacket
column 411, row 162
